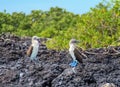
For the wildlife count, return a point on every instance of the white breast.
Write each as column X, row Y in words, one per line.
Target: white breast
column 71, row 51
column 35, row 50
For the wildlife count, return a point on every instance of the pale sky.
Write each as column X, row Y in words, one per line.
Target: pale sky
column 75, row 6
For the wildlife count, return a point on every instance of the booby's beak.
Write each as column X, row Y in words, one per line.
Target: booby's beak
column 77, row 41
column 74, row 41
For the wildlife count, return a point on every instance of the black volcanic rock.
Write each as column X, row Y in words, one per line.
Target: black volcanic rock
column 53, row 70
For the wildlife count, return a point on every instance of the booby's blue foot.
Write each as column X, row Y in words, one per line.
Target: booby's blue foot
column 73, row 63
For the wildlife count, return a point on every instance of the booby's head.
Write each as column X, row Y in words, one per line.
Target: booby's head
column 35, row 39
column 73, row 42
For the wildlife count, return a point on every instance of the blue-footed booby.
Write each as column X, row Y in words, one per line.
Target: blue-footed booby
column 33, row 49
column 74, row 52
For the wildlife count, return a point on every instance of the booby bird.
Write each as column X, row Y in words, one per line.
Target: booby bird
column 33, row 49
column 74, row 52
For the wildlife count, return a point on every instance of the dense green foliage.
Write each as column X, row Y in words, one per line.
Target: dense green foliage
column 98, row 28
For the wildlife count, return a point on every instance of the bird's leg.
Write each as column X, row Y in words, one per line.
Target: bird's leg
column 75, row 60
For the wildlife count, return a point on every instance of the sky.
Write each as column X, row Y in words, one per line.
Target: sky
column 25, row 6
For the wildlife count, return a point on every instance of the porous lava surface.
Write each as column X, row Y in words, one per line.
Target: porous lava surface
column 53, row 70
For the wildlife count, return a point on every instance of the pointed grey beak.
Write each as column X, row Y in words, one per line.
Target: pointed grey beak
column 77, row 41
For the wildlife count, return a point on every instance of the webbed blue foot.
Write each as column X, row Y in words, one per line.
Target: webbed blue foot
column 73, row 63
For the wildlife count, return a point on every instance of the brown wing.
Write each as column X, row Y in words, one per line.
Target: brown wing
column 78, row 55
column 81, row 51
column 29, row 51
